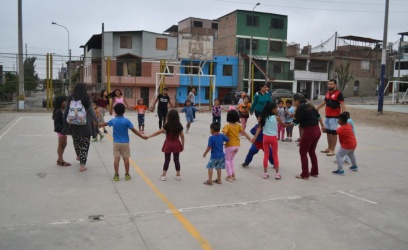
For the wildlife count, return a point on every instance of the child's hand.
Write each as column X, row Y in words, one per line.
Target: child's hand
column 252, row 140
column 204, row 155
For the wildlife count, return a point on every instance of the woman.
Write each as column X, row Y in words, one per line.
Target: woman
column 308, row 119
column 261, row 98
column 81, row 134
column 103, row 102
column 117, row 97
column 164, row 101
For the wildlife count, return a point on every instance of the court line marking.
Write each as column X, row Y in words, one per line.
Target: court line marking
column 8, row 130
column 358, row 198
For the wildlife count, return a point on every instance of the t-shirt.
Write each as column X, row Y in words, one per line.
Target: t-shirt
column 102, row 102
column 333, row 101
column 216, row 111
column 289, row 112
column 231, row 130
column 282, row 114
column 191, row 97
column 140, row 109
column 215, row 142
column 271, row 126
column 163, row 101
column 120, row 125
column 306, row 116
column 244, row 109
column 188, row 110
column 346, row 137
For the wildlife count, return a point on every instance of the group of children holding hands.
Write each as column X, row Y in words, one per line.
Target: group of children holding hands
column 223, row 144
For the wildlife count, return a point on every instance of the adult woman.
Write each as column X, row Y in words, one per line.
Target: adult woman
column 117, row 97
column 81, row 134
column 261, row 98
column 103, row 102
column 191, row 97
column 308, row 118
column 164, row 101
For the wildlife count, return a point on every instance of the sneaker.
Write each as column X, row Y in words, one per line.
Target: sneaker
column 287, row 139
column 105, row 131
column 102, row 136
column 278, row 176
column 116, row 177
column 265, row 175
column 178, row 178
column 354, row 168
column 128, row 177
column 94, row 140
column 297, row 140
column 162, row 178
column 245, row 164
column 339, row 172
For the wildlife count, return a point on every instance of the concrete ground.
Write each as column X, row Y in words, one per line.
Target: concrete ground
column 44, row 206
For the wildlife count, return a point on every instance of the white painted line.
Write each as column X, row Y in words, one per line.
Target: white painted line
column 19, row 119
column 372, row 202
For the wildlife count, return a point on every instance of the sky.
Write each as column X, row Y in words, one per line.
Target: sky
column 309, row 21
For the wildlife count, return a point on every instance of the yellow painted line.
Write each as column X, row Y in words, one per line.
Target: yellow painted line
column 186, row 224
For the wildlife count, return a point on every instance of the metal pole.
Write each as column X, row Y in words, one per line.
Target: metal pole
column 250, row 52
column 69, row 53
column 399, row 65
column 384, row 52
column 20, row 59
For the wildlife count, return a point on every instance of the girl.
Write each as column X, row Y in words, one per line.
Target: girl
column 190, row 111
column 117, row 97
column 172, row 144
column 98, row 113
column 243, row 109
column 281, row 113
column 269, row 124
column 216, row 111
column 232, row 130
column 140, row 109
column 103, row 102
column 58, row 117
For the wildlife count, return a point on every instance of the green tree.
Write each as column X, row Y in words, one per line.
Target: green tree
column 344, row 75
column 30, row 76
column 10, row 87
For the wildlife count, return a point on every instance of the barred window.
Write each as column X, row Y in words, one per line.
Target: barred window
column 128, row 92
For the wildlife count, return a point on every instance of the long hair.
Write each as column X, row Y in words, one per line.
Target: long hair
column 58, row 102
column 101, row 95
column 80, row 93
column 299, row 97
column 173, row 125
column 112, row 94
column 266, row 112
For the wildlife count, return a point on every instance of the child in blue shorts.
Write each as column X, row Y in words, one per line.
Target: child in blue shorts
column 189, row 110
column 217, row 160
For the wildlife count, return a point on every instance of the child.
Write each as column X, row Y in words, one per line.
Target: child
column 232, row 130
column 121, row 147
column 58, row 117
column 117, row 97
column 281, row 112
column 99, row 115
column 256, row 146
column 190, row 111
column 140, row 109
column 348, row 143
column 216, row 111
column 217, row 159
column 290, row 113
column 243, row 110
column 346, row 159
column 172, row 144
column 269, row 124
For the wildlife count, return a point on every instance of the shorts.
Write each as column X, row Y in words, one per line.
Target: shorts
column 121, row 149
column 190, row 119
column 290, row 128
column 331, row 123
column 216, row 163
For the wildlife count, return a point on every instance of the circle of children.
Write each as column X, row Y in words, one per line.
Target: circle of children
column 223, row 144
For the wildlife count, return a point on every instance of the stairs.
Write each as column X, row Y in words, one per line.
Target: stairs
column 259, row 64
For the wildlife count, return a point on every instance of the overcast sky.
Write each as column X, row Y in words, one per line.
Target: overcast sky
column 310, row 21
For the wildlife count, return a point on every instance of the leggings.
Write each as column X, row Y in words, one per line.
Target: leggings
column 270, row 141
column 81, row 145
column 167, row 158
column 281, row 131
column 162, row 113
column 230, row 153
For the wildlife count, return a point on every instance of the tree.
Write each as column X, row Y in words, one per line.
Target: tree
column 30, row 76
column 9, row 88
column 344, row 75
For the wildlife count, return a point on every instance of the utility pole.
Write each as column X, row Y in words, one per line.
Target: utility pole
column 250, row 52
column 21, row 95
column 383, row 57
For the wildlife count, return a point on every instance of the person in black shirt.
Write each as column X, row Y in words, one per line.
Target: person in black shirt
column 162, row 109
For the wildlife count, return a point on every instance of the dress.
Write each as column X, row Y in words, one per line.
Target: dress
column 172, row 144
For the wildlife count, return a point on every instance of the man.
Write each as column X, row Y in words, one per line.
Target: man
column 334, row 102
column 163, row 100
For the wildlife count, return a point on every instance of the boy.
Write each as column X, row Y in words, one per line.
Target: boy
column 99, row 115
column 217, row 160
column 290, row 113
column 190, row 113
column 120, row 126
column 348, row 143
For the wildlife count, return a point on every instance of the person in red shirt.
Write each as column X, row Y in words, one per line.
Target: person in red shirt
column 140, row 108
column 348, row 143
column 334, row 102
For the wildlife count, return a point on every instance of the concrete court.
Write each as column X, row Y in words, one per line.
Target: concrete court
column 44, row 206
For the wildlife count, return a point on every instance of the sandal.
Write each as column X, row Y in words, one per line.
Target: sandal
column 301, row 177
column 324, row 151
column 63, row 164
column 208, row 182
column 330, row 154
column 217, row 181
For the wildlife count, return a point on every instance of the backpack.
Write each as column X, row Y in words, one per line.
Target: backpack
column 76, row 113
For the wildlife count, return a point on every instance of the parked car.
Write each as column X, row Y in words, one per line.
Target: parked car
column 278, row 94
column 233, row 97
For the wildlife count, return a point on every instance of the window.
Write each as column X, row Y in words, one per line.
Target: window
column 161, row 43
column 277, row 67
column 365, row 65
column 277, row 23
column 227, row 70
column 128, row 66
column 300, row 64
column 128, row 92
column 243, row 45
column 125, row 42
column 214, row 26
column 198, row 24
column 191, row 68
column 207, row 93
column 171, row 71
column 252, row 20
column 144, row 93
column 404, row 65
column 318, row 66
column 275, row 46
